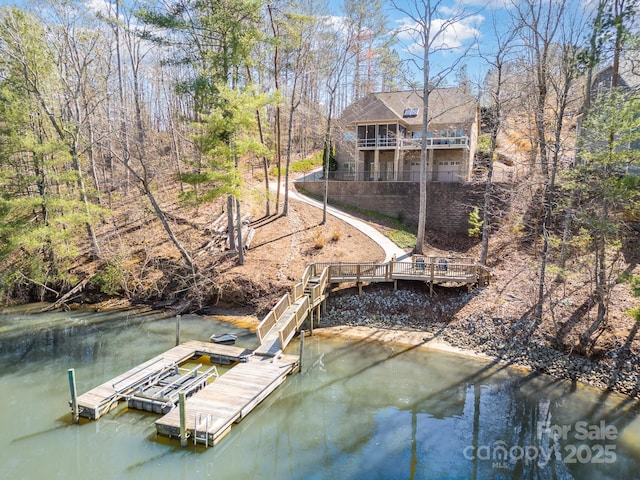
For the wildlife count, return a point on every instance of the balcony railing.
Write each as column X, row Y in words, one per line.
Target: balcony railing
column 368, row 176
column 414, row 143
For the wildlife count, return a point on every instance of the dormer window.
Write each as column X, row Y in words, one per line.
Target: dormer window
column 410, row 113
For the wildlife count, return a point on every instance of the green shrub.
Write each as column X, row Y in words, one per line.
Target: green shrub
column 632, row 280
column 634, row 313
column 402, row 238
column 475, row 223
column 111, row 280
column 635, row 285
column 333, row 163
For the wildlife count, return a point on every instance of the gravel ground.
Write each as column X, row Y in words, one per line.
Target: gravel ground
column 505, row 339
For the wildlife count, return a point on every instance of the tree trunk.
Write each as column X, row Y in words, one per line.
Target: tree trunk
column 265, row 161
column 126, row 154
column 327, row 162
column 277, row 119
column 163, row 219
column 292, row 107
column 239, row 227
column 422, row 211
column 230, row 222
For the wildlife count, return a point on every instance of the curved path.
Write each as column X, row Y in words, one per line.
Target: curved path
column 390, row 248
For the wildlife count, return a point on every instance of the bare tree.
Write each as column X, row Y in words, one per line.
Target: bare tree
column 429, row 27
column 300, row 56
column 550, row 30
column 340, row 43
column 499, row 62
column 276, row 82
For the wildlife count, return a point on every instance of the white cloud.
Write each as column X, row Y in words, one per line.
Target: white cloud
column 487, row 4
column 99, row 7
column 446, row 34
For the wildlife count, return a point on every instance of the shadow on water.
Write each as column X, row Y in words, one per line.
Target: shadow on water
column 75, row 335
column 61, row 425
column 360, row 409
column 532, row 403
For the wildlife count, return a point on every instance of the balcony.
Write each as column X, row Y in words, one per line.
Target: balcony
column 414, row 143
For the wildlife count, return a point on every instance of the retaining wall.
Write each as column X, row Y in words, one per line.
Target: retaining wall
column 448, row 204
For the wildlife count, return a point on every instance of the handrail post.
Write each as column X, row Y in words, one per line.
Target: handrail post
column 433, row 267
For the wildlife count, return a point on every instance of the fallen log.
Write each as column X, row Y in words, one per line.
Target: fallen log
column 58, row 303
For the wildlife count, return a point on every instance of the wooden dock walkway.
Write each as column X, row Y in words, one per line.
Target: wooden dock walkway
column 213, row 405
column 211, row 412
column 211, row 408
column 308, row 296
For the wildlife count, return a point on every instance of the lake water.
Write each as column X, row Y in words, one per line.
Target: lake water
column 358, row 410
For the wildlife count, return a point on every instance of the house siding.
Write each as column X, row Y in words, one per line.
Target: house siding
column 360, row 156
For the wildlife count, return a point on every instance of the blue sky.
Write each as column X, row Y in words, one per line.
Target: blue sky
column 460, row 42
column 464, row 41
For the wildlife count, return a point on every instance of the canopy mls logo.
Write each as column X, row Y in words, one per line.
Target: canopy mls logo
column 553, row 442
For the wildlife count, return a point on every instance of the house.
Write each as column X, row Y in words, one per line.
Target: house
column 628, row 83
column 379, row 137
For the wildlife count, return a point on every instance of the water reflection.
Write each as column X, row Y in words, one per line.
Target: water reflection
column 358, row 410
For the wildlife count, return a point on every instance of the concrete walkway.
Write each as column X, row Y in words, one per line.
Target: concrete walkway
column 390, row 248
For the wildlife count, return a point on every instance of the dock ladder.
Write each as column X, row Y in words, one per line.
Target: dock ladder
column 198, row 424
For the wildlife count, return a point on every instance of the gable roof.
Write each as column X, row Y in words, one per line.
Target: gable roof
column 446, row 106
column 628, row 77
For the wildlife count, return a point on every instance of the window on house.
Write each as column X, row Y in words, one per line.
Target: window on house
column 410, row 113
column 362, row 132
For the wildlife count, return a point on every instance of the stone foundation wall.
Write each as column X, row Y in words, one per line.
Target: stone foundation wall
column 448, row 204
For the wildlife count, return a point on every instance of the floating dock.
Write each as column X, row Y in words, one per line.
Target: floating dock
column 212, row 411
column 156, row 373
column 212, row 406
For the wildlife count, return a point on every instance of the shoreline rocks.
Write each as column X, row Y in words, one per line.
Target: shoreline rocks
column 504, row 339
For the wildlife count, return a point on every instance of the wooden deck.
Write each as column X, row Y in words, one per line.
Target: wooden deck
column 306, row 297
column 211, row 412
column 213, row 407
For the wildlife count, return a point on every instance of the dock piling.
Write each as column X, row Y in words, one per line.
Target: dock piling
column 178, row 330
column 74, row 394
column 301, row 348
column 183, row 415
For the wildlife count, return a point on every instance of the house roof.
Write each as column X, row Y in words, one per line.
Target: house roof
column 628, row 74
column 446, row 106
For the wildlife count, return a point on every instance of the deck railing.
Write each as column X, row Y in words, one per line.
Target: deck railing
column 272, row 317
column 297, row 291
column 316, row 292
column 438, row 269
column 355, row 271
column 428, row 268
column 308, row 273
column 288, row 330
column 414, row 143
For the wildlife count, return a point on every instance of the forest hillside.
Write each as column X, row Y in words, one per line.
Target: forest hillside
column 147, row 150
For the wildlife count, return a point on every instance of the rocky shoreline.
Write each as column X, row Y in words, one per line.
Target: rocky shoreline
column 503, row 339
